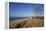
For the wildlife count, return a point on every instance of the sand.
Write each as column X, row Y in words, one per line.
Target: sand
column 26, row 23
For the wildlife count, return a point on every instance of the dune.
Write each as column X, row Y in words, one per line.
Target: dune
column 27, row 22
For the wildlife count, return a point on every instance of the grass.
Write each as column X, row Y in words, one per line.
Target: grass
column 35, row 22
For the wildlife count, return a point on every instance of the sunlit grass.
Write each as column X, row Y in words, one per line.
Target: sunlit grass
column 34, row 22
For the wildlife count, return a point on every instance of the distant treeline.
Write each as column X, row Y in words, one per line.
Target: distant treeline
column 38, row 17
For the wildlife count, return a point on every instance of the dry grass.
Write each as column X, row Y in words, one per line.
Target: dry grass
column 35, row 22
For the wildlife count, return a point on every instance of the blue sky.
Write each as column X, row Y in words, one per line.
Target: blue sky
column 23, row 9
